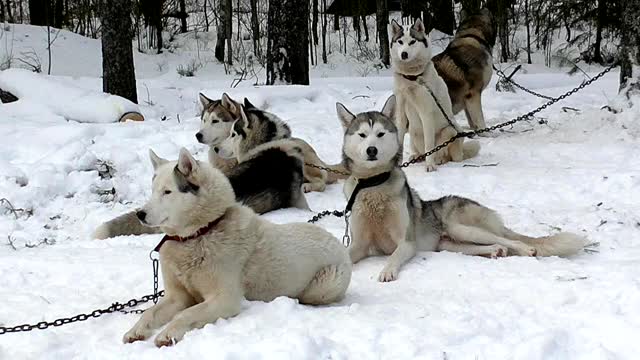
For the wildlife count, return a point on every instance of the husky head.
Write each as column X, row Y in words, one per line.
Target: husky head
column 410, row 50
column 480, row 24
column 186, row 196
column 371, row 140
column 217, row 117
column 254, row 127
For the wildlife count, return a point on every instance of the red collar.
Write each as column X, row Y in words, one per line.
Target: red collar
column 200, row 232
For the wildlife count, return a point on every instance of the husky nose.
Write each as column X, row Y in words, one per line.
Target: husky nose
column 141, row 214
column 199, row 137
column 372, row 151
column 404, row 55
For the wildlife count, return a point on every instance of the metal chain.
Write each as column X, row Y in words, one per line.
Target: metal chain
column 505, row 77
column 327, row 169
column 81, row 317
column 512, row 121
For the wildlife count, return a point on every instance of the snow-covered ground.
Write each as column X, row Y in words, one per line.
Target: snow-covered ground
column 578, row 172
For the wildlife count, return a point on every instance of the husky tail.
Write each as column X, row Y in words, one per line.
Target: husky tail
column 561, row 244
column 470, row 149
column 127, row 224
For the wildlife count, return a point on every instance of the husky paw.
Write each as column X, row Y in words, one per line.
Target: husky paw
column 169, row 336
column 430, row 166
column 387, row 275
column 526, row 251
column 134, row 335
column 498, row 251
column 307, row 188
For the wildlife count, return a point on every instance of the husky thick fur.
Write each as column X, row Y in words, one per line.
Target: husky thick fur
column 414, row 76
column 466, row 65
column 391, row 219
column 238, row 255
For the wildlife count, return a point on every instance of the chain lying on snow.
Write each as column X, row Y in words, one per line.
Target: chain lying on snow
column 115, row 307
column 512, row 82
column 471, row 133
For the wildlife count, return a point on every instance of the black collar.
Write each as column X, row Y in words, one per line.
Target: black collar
column 202, row 231
column 477, row 38
column 411, row 77
column 366, row 183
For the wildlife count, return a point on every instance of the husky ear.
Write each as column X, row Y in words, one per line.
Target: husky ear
column 463, row 15
column 230, row 104
column 205, row 101
column 395, row 28
column 186, row 163
column 345, row 116
column 244, row 120
column 418, row 26
column 248, row 104
column 156, row 160
column 389, row 107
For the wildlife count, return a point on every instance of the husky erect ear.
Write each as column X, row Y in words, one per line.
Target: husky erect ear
column 248, row 104
column 389, row 107
column 463, row 15
column 156, row 160
column 345, row 116
column 230, row 104
column 244, row 120
column 186, row 163
column 205, row 101
column 395, row 27
column 418, row 26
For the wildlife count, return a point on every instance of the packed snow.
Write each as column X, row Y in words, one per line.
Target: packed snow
column 576, row 169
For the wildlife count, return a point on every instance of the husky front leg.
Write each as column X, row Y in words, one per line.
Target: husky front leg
column 405, row 250
column 175, row 300
column 473, row 111
column 401, row 119
column 217, row 306
column 428, row 135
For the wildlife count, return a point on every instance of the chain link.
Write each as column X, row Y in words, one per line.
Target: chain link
column 526, row 116
column 506, row 78
column 115, row 307
column 327, row 169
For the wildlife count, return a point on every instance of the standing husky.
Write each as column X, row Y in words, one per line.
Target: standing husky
column 466, row 65
column 217, row 119
column 391, row 219
column 416, row 83
column 217, row 251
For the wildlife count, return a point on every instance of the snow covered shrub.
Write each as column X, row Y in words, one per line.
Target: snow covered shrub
column 189, row 69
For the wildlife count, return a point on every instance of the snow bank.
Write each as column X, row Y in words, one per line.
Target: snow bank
column 63, row 98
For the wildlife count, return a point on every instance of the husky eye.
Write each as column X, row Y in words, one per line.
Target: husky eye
column 400, row 42
column 380, row 134
column 214, row 121
column 362, row 135
column 412, row 42
column 167, row 192
column 233, row 135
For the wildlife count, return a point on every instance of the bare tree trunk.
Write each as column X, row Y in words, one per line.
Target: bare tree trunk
column 118, row 75
column 356, row 27
column 2, row 18
column 183, row 17
column 314, row 22
column 602, row 13
column 630, row 34
column 288, row 42
column 229, row 30
column 221, row 30
column 39, row 11
column 255, row 28
column 336, row 22
column 324, row 31
column 382, row 20
column 58, row 15
column 206, row 16
column 238, row 19
column 526, row 16
column 366, row 29
column 9, row 12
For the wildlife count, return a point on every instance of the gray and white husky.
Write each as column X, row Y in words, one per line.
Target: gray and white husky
column 391, row 219
column 217, row 120
column 416, row 83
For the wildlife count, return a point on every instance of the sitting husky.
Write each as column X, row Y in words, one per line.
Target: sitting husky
column 217, row 251
column 217, row 118
column 390, row 218
column 417, row 109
